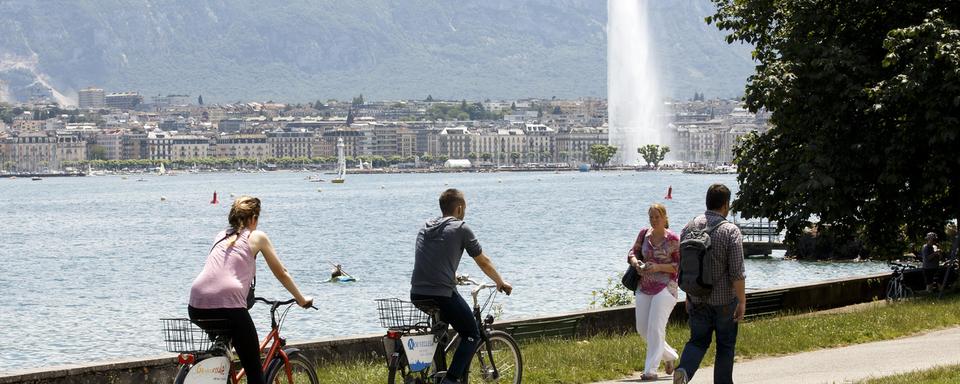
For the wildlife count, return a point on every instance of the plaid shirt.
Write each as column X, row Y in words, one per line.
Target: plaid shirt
column 726, row 249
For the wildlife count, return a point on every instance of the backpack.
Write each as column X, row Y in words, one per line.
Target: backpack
column 695, row 264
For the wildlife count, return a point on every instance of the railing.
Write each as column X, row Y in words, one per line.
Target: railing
column 764, row 231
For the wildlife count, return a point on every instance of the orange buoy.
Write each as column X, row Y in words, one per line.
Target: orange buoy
column 669, row 193
column 214, row 201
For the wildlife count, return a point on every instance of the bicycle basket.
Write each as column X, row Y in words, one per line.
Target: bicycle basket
column 182, row 336
column 399, row 314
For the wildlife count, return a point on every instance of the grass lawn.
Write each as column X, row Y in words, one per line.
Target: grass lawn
column 949, row 374
column 608, row 357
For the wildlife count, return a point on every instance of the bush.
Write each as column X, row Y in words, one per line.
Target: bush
column 615, row 294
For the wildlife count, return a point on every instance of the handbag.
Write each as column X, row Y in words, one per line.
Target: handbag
column 631, row 278
column 251, row 295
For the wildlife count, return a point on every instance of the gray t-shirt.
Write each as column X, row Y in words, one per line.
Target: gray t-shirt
column 930, row 257
column 440, row 245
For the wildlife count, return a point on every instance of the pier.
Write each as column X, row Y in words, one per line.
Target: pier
column 760, row 238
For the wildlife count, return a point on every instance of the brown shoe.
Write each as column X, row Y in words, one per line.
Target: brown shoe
column 668, row 366
column 649, row 377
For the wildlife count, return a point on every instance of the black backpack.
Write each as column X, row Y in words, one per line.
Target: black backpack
column 695, row 265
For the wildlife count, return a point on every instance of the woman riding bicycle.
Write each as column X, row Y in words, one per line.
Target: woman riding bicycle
column 218, row 296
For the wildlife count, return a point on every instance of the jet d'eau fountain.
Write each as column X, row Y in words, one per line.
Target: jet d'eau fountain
column 633, row 95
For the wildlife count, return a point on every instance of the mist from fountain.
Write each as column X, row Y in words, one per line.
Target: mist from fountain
column 633, row 97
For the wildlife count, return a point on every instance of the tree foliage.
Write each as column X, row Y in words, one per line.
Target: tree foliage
column 864, row 101
column 653, row 153
column 602, row 153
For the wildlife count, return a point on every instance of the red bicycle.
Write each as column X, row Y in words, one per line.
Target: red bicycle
column 208, row 357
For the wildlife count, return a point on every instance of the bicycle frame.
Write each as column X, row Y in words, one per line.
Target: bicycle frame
column 272, row 344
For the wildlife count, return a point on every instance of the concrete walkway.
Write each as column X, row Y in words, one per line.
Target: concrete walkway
column 842, row 365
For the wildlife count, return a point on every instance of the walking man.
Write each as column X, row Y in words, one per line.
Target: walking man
column 440, row 245
column 721, row 310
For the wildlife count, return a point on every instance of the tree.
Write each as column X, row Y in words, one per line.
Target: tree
column 97, row 152
column 429, row 98
column 864, row 105
column 357, row 101
column 200, row 100
column 350, row 116
column 653, row 153
column 601, row 154
column 556, row 110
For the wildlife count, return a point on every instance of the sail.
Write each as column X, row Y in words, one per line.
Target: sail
column 341, row 160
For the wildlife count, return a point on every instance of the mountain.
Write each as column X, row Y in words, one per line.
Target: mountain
column 303, row 50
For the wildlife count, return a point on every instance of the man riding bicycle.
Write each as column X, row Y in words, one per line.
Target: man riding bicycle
column 440, row 245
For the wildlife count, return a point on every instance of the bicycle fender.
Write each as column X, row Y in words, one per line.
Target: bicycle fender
column 277, row 363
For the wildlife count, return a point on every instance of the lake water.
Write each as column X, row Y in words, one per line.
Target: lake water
column 91, row 264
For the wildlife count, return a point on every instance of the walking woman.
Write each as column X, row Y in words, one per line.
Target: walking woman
column 656, row 256
column 218, row 297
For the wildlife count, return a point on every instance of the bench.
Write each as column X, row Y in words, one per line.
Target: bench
column 766, row 303
column 534, row 330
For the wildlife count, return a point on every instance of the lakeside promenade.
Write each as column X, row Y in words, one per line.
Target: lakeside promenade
column 848, row 364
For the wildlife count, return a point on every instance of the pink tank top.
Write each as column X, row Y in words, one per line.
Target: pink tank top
column 226, row 275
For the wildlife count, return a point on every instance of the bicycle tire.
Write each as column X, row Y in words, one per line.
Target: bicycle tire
column 181, row 374
column 302, row 369
column 891, row 291
column 395, row 367
column 506, row 358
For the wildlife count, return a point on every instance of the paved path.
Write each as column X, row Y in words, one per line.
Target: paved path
column 842, row 365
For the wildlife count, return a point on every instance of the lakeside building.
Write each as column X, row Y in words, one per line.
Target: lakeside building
column 292, row 143
column 111, row 143
column 42, row 151
column 248, row 146
column 164, row 146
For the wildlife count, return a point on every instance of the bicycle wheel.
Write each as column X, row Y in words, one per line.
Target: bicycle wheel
column 399, row 373
column 181, row 374
column 399, row 369
column 892, row 290
column 497, row 361
column 301, row 369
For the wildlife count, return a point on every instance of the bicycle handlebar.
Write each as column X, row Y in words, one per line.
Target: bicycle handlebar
column 274, row 304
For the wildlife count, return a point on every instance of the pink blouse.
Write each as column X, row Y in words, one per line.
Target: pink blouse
column 667, row 252
column 226, row 276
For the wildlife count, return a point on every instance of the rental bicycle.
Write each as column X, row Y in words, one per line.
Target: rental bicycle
column 897, row 290
column 208, row 357
column 417, row 342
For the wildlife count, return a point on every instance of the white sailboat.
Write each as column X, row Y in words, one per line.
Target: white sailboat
column 341, row 163
column 161, row 170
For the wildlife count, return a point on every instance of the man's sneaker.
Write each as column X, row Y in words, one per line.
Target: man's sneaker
column 679, row 376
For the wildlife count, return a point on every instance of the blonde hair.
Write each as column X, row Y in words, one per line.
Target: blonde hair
column 663, row 212
column 243, row 210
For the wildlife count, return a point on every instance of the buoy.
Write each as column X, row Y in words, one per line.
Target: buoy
column 232, row 195
column 163, row 198
column 499, row 180
column 319, row 190
column 214, row 201
column 669, row 193
column 383, row 187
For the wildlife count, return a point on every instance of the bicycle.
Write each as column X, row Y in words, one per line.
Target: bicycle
column 208, row 357
column 897, row 290
column 415, row 331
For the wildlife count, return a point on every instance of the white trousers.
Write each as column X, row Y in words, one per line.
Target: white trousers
column 653, row 312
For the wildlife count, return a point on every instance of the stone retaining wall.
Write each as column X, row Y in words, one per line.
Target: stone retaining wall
column 161, row 369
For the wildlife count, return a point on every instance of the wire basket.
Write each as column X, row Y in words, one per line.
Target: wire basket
column 399, row 314
column 182, row 336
